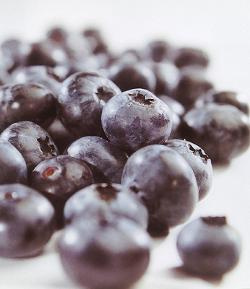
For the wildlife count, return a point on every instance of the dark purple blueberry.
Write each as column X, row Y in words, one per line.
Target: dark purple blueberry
column 57, row 34
column 14, row 53
column 60, row 135
column 198, row 161
column 130, row 56
column 37, row 74
column 158, row 51
column 132, row 75
column 209, row 247
column 167, row 76
column 190, row 87
column 32, row 141
column 222, row 131
column 173, row 104
column 32, row 102
column 238, row 100
column 58, row 179
column 104, row 253
column 12, row 165
column 45, row 53
column 95, row 41
column 106, row 160
column 27, row 221
column 187, row 56
column 136, row 118
column 165, row 183
column 104, row 199
column 81, row 100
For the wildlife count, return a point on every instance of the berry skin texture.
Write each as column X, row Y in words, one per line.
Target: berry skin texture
column 12, row 165
column 32, row 102
column 198, row 161
column 58, row 179
column 81, row 100
column 32, row 141
column 165, row 183
column 221, row 130
column 136, row 118
column 27, row 221
column 106, row 160
column 104, row 254
column 132, row 75
column 105, row 199
column 208, row 246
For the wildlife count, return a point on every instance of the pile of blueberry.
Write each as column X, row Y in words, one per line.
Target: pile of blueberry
column 113, row 148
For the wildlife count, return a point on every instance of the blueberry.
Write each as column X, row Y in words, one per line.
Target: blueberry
column 187, row 56
column 60, row 135
column 45, row 53
column 165, row 183
column 82, row 98
column 136, row 118
column 104, row 199
column 26, row 221
column 32, row 102
column 106, row 160
column 58, row 179
column 57, row 34
column 158, row 51
column 12, row 165
column 208, row 246
column 221, row 130
column 132, row 75
column 104, row 253
column 190, row 87
column 33, row 142
column 37, row 74
column 14, row 53
column 167, row 77
column 95, row 40
column 238, row 100
column 198, row 161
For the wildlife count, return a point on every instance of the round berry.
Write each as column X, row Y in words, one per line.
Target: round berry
column 32, row 102
column 106, row 160
column 190, row 87
column 158, row 51
column 32, row 141
column 198, row 161
column 208, row 246
column 26, row 221
column 105, row 199
column 132, row 75
column 104, row 253
column 165, row 183
column 221, row 130
column 136, row 118
column 58, row 179
column 81, row 100
column 187, row 56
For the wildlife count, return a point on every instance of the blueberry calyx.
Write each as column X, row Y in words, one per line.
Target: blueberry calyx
column 142, row 98
column 107, row 192
column 215, row 221
column 199, row 152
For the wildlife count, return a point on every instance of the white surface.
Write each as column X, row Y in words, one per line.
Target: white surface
column 223, row 28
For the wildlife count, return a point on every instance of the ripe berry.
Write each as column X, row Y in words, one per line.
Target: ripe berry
column 209, row 247
column 136, row 118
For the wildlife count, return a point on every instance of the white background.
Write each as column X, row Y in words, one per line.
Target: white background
column 222, row 27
